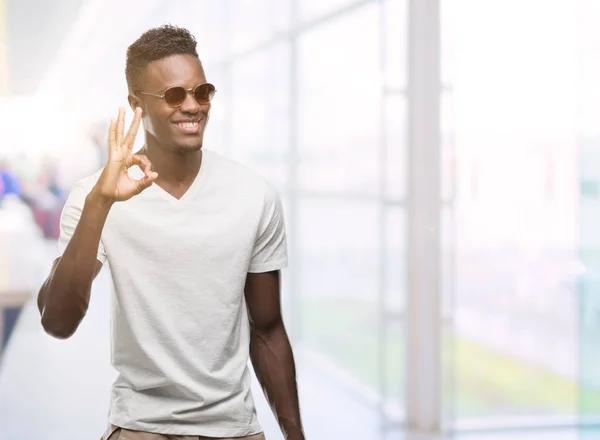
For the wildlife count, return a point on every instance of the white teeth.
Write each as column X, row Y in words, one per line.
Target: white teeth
column 188, row 124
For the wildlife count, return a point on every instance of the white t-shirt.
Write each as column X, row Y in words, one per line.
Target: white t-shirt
column 180, row 331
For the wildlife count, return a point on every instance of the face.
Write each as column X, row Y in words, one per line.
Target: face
column 180, row 128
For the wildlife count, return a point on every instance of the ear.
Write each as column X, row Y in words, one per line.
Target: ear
column 134, row 101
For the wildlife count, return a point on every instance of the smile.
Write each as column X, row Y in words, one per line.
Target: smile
column 188, row 127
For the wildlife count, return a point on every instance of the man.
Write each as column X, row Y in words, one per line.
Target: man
column 195, row 244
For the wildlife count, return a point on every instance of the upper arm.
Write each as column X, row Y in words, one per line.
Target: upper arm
column 263, row 297
column 97, row 268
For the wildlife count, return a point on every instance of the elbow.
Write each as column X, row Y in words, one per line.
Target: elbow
column 58, row 328
column 268, row 328
column 59, row 320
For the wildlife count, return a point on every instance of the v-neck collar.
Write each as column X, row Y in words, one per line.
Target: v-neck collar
column 192, row 188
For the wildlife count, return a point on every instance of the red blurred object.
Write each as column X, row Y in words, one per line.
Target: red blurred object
column 48, row 221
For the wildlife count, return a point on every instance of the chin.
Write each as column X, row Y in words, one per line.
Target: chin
column 188, row 147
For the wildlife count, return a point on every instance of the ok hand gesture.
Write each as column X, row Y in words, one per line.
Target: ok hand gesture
column 115, row 184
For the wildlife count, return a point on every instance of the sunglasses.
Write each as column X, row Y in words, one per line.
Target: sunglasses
column 175, row 96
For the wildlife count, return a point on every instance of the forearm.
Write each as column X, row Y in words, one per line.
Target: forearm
column 273, row 362
column 64, row 298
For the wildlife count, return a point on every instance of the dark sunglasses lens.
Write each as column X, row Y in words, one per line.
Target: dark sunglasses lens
column 204, row 93
column 175, row 96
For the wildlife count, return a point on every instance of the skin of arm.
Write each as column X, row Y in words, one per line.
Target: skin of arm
column 64, row 297
column 271, row 352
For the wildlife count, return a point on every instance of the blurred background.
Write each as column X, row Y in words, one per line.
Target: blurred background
column 439, row 163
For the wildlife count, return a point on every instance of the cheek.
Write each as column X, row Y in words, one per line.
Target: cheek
column 156, row 124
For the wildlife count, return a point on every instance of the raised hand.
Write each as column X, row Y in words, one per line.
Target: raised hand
column 115, row 184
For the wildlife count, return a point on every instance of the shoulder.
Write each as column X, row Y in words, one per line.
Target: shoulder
column 88, row 182
column 82, row 187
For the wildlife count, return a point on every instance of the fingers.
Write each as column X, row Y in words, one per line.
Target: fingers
column 133, row 129
column 144, row 163
column 140, row 160
column 146, row 181
column 112, row 136
column 120, row 125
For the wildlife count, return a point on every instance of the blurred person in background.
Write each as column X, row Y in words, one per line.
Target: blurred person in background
column 47, row 198
column 10, row 181
column 195, row 243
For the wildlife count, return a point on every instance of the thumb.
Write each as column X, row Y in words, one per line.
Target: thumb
column 146, row 181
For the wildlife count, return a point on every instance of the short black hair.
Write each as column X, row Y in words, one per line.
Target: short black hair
column 156, row 44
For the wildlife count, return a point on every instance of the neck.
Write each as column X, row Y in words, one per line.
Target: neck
column 172, row 165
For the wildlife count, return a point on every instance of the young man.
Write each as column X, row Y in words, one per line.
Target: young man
column 195, row 243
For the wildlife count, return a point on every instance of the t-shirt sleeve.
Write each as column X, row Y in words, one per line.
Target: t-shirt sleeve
column 69, row 218
column 270, row 248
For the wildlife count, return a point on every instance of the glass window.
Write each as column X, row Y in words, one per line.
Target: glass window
column 589, row 212
column 448, row 32
column 338, row 279
column 395, row 262
column 312, row 9
column 216, row 136
column 339, row 104
column 395, row 146
column 448, row 285
column 255, row 21
column 207, row 20
column 394, row 306
column 514, row 338
column 448, row 147
column 260, row 114
column 395, row 39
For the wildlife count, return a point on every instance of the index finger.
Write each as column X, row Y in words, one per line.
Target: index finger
column 133, row 129
column 120, row 125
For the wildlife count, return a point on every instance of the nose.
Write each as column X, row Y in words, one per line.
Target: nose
column 190, row 105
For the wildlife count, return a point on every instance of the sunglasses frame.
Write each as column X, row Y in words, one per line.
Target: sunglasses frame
column 192, row 91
